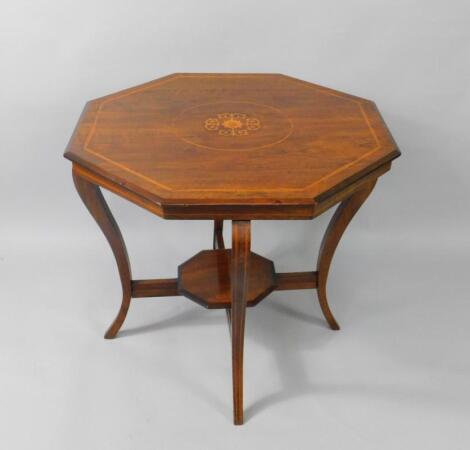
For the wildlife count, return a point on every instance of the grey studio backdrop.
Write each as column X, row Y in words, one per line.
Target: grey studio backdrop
column 397, row 376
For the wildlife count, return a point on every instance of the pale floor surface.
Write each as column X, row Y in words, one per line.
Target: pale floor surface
column 397, row 376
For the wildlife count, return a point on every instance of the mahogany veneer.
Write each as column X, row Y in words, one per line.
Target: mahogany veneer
column 236, row 147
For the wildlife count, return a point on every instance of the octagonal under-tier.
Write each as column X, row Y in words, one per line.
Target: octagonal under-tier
column 205, row 278
column 200, row 145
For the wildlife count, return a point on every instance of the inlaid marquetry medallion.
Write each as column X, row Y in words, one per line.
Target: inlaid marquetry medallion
column 233, row 125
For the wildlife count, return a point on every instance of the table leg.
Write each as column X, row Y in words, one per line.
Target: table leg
column 239, row 269
column 218, row 240
column 338, row 224
column 218, row 244
column 94, row 201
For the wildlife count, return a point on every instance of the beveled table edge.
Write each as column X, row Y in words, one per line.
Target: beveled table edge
column 303, row 209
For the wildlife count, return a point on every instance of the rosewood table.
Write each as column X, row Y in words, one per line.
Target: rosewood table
column 236, row 147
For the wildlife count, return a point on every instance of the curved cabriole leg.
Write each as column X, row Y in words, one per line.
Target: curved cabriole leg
column 338, row 224
column 96, row 204
column 239, row 270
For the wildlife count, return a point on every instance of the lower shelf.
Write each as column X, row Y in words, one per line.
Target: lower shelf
column 205, row 278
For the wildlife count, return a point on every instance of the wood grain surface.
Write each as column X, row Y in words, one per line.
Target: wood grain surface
column 212, row 145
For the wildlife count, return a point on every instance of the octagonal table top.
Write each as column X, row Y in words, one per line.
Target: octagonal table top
column 193, row 144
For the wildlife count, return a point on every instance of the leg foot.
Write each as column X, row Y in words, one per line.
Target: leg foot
column 94, row 201
column 338, row 224
column 239, row 269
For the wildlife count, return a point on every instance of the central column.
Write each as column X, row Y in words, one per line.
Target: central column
column 239, row 269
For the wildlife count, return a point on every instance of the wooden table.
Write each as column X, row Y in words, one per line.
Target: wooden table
column 236, row 147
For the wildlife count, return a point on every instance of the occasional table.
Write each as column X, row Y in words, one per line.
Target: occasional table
column 236, row 147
